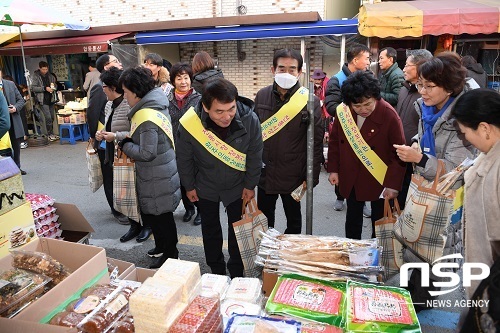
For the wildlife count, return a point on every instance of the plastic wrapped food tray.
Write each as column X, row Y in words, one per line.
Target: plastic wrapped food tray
column 245, row 289
column 18, row 288
column 41, row 263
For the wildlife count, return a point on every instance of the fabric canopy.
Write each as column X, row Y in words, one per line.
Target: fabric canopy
column 71, row 45
column 432, row 17
column 334, row 27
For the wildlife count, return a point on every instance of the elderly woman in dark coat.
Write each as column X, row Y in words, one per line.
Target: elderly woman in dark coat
column 152, row 149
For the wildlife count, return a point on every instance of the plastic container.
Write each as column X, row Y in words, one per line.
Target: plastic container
column 18, row 288
column 245, row 289
column 41, row 263
column 212, row 284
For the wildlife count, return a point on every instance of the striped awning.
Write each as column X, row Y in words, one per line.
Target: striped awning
column 429, row 17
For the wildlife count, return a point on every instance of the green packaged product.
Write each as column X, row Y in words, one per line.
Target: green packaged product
column 373, row 308
column 308, row 298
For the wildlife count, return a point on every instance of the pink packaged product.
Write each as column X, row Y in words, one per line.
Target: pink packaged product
column 38, row 201
column 201, row 315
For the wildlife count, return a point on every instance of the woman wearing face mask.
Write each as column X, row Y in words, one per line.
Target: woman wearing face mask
column 285, row 139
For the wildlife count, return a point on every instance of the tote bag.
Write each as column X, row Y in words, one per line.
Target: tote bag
column 124, row 190
column 392, row 249
column 94, row 167
column 423, row 226
column 248, row 236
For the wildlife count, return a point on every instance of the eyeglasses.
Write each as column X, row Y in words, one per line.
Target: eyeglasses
column 409, row 65
column 426, row 87
column 115, row 60
column 104, row 86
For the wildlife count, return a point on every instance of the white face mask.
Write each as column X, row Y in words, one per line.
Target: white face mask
column 285, row 80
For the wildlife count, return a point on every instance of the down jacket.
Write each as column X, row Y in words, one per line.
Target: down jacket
column 451, row 146
column 214, row 180
column 391, row 82
column 157, row 180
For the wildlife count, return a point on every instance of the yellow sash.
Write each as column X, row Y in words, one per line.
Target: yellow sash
column 215, row 146
column 100, row 126
column 366, row 155
column 5, row 142
column 158, row 118
column 286, row 113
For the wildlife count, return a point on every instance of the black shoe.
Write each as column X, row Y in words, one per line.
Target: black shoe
column 188, row 215
column 197, row 219
column 23, row 172
column 158, row 262
column 144, row 234
column 155, row 253
column 135, row 229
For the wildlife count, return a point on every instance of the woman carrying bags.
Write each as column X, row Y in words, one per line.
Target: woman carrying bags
column 151, row 147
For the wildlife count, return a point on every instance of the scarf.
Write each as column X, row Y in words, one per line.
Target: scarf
column 429, row 119
column 181, row 97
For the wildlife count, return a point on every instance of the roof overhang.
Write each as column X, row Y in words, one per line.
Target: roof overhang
column 429, row 17
column 241, row 32
column 71, row 45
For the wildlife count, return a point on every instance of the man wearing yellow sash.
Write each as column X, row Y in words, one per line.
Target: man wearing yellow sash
column 219, row 158
column 361, row 158
column 282, row 110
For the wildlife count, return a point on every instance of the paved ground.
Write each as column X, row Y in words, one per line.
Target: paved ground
column 60, row 171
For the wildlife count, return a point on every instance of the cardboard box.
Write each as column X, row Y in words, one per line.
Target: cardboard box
column 140, row 274
column 269, row 280
column 88, row 266
column 74, row 225
column 17, row 228
column 11, row 186
column 21, row 326
column 124, row 267
column 75, row 118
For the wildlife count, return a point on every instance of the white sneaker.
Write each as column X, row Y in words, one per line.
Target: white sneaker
column 53, row 137
column 338, row 205
column 24, row 145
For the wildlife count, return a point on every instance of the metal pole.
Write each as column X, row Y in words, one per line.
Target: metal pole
column 342, row 52
column 310, row 160
column 28, row 81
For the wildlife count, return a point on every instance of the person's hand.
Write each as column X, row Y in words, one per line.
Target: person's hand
column 389, row 193
column 192, row 195
column 99, row 135
column 415, row 146
column 247, row 195
column 109, row 136
column 333, row 178
column 12, row 109
column 408, row 154
column 49, row 89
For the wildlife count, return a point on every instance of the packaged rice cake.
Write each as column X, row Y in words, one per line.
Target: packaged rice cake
column 181, row 271
column 245, row 289
column 214, row 284
column 308, row 298
column 372, row 308
column 200, row 316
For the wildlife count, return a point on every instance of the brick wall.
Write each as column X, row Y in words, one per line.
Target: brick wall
column 113, row 12
column 254, row 72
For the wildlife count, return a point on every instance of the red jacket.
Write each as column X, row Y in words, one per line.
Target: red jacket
column 320, row 93
column 380, row 130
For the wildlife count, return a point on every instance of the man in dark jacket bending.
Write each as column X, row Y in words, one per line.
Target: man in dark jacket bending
column 219, row 158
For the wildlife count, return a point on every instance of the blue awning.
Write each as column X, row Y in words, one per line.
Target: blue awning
column 319, row 28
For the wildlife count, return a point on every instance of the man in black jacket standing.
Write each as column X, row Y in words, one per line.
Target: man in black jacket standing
column 219, row 158
column 282, row 110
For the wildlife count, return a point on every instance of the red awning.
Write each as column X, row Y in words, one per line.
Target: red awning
column 70, row 45
column 429, row 17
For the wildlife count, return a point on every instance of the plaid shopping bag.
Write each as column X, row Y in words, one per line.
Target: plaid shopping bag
column 392, row 249
column 94, row 167
column 423, row 226
column 248, row 236
column 124, row 191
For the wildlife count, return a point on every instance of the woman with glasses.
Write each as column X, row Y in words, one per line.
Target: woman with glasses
column 442, row 80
